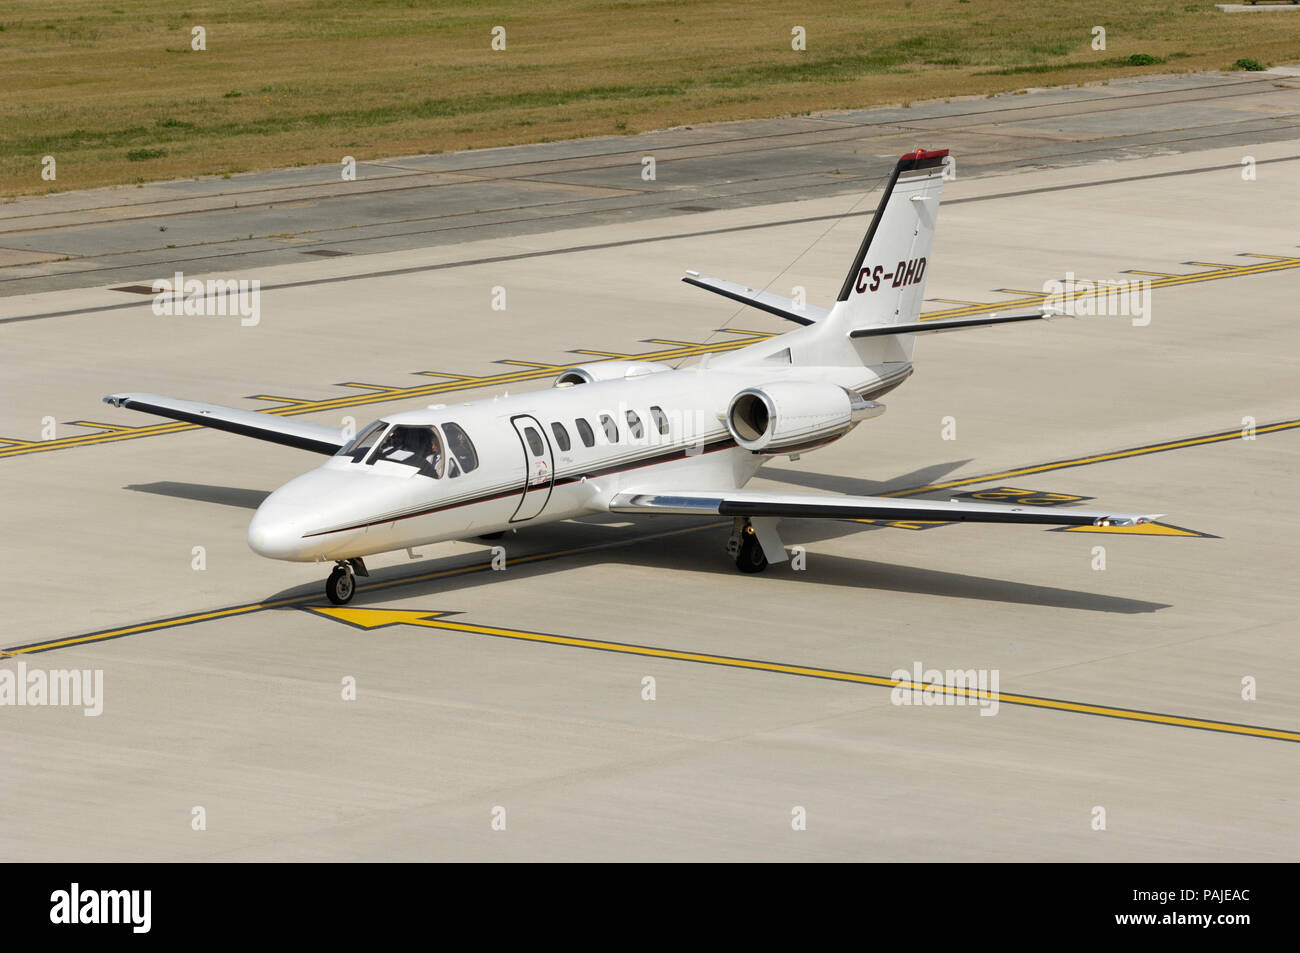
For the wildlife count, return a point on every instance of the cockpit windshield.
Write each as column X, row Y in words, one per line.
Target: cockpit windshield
column 422, row 447
column 419, row 447
column 361, row 445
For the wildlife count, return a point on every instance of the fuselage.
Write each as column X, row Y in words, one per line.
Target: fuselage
column 478, row 468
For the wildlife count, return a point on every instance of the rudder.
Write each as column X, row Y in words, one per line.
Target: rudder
column 886, row 284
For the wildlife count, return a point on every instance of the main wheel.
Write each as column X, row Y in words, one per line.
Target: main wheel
column 750, row 558
column 340, row 586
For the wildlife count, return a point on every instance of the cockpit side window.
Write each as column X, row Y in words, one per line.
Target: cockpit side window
column 419, row 447
column 361, row 445
column 461, row 447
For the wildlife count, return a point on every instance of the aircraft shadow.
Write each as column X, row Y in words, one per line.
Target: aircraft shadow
column 701, row 550
column 856, row 486
column 829, row 570
column 204, row 493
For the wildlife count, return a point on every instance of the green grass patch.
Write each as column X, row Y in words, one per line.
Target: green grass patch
column 304, row 81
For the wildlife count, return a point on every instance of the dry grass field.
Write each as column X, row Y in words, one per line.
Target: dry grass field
column 116, row 94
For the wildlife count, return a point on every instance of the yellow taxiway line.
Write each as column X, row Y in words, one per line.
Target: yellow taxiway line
column 373, row 618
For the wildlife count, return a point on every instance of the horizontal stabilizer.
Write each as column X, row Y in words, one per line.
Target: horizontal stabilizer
column 950, row 324
column 752, row 503
column 247, row 423
column 762, row 300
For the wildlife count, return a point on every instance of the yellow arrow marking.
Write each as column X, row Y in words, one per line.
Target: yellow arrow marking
column 366, row 618
column 1143, row 529
column 537, row 557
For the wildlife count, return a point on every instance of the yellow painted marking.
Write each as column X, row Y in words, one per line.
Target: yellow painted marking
column 98, row 425
column 367, row 618
column 382, row 394
column 375, row 394
column 149, row 627
column 233, row 611
column 1098, row 458
column 841, row 676
column 1270, row 263
column 1143, row 529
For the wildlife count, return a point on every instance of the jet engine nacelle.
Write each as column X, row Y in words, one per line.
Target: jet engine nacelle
column 788, row 416
column 607, row 371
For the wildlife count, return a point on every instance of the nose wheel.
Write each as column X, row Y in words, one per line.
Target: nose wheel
column 340, row 586
column 342, row 583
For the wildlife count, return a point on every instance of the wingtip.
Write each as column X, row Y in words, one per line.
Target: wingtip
column 1127, row 520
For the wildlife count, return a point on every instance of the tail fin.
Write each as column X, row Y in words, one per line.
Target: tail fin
column 887, row 281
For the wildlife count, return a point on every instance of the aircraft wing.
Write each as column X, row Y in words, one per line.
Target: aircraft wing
column 762, row 300
column 759, row 503
column 949, row 324
column 248, row 423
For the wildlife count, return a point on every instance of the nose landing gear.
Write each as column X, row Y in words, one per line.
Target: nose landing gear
column 341, row 585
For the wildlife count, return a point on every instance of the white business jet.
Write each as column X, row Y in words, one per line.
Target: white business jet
column 633, row 437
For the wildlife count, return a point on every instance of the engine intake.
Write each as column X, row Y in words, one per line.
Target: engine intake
column 607, row 371
column 788, row 416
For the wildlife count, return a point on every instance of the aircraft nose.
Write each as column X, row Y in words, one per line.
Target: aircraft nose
column 302, row 521
column 276, row 530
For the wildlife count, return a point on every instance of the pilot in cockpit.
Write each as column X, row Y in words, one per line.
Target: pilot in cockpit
column 433, row 456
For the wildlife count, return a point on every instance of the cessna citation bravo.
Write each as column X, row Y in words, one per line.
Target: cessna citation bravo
column 632, row 437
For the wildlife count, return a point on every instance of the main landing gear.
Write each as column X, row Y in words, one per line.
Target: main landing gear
column 341, row 584
column 745, row 547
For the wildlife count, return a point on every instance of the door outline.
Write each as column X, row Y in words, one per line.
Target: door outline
column 519, row 421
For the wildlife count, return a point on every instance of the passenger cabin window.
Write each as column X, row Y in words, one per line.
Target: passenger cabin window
column 534, row 441
column 585, row 432
column 361, row 445
column 610, row 428
column 419, row 447
column 634, row 425
column 660, row 418
column 461, row 447
column 561, row 436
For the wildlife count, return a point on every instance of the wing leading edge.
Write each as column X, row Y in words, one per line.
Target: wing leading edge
column 756, row 503
column 247, row 423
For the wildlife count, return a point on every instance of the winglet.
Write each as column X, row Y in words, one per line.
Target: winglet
column 1122, row 520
